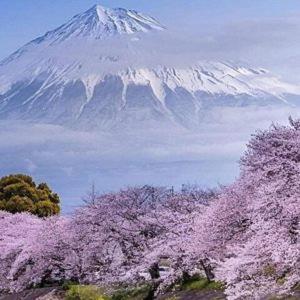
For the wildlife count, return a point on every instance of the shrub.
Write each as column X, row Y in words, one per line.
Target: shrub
column 19, row 193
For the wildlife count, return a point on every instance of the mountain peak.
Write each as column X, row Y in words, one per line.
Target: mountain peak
column 100, row 22
column 120, row 20
column 97, row 23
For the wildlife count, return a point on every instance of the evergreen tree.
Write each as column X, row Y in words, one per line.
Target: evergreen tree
column 19, row 193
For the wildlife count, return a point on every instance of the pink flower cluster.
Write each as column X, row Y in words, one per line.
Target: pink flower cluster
column 245, row 235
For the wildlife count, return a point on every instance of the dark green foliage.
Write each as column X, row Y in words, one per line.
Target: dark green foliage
column 19, row 193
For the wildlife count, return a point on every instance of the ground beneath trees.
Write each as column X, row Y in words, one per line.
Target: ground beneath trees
column 58, row 294
column 52, row 293
column 194, row 295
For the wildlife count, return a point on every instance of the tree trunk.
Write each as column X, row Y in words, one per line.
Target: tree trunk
column 207, row 270
column 154, row 273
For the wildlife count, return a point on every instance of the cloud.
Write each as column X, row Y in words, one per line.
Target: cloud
column 271, row 43
column 72, row 160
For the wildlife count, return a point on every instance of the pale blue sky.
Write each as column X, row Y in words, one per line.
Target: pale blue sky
column 24, row 20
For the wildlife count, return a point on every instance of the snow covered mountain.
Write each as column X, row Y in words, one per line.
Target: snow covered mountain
column 102, row 69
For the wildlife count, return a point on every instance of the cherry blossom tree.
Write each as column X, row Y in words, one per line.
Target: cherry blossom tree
column 33, row 251
column 262, row 258
column 113, row 239
column 133, row 230
column 246, row 234
column 114, row 230
column 174, row 247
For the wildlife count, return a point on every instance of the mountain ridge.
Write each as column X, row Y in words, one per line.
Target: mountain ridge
column 71, row 77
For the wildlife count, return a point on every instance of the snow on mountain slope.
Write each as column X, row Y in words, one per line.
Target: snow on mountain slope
column 96, row 23
column 100, row 22
column 98, row 71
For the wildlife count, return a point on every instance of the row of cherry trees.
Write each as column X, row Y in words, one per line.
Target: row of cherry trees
column 245, row 235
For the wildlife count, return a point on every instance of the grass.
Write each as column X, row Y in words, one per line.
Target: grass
column 90, row 292
column 84, row 292
column 138, row 293
column 284, row 298
column 200, row 283
column 172, row 298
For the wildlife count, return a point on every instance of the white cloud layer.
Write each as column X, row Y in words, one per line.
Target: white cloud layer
column 71, row 160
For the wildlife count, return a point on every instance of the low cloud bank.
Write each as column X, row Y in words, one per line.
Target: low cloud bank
column 71, row 161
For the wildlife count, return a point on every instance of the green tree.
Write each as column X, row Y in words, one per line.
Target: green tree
column 19, row 193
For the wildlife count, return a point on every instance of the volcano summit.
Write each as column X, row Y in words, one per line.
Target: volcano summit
column 103, row 70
